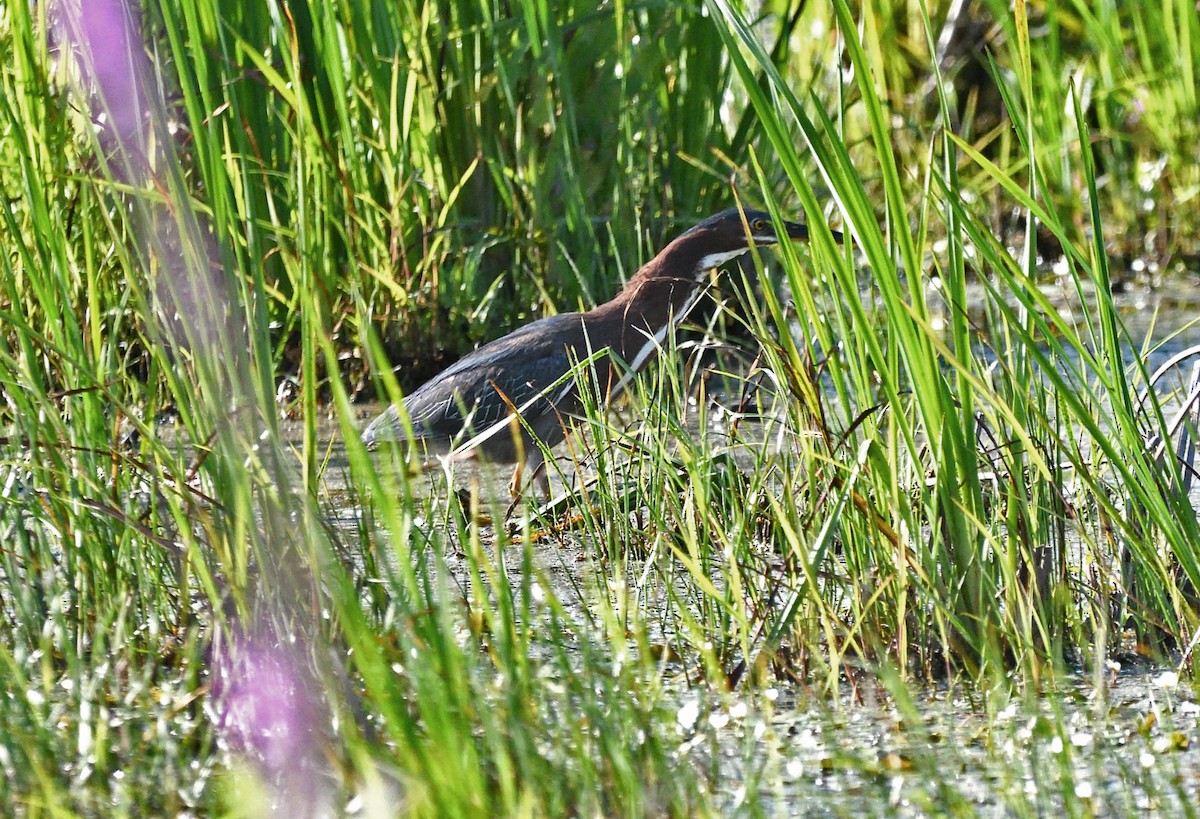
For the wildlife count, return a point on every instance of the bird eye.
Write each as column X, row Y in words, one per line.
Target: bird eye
column 758, row 225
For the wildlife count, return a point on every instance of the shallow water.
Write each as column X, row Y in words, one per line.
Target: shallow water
column 1128, row 746
column 1123, row 740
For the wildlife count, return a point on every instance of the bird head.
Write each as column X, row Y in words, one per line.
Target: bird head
column 721, row 237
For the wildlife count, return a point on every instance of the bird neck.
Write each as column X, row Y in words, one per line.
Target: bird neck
column 658, row 297
column 663, row 288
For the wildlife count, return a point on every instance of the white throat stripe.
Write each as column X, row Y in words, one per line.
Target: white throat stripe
column 654, row 342
column 717, row 259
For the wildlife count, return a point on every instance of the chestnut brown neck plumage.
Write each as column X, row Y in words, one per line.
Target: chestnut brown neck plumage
column 661, row 292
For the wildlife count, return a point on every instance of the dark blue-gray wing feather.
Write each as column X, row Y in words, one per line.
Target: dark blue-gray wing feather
column 519, row 367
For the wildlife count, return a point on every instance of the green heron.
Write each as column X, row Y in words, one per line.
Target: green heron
column 471, row 408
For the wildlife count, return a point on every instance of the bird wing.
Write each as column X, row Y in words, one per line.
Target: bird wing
column 521, row 367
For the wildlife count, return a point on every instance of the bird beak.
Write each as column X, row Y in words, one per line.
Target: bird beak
column 799, row 232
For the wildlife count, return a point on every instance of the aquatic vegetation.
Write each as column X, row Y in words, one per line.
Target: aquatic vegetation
column 944, row 467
